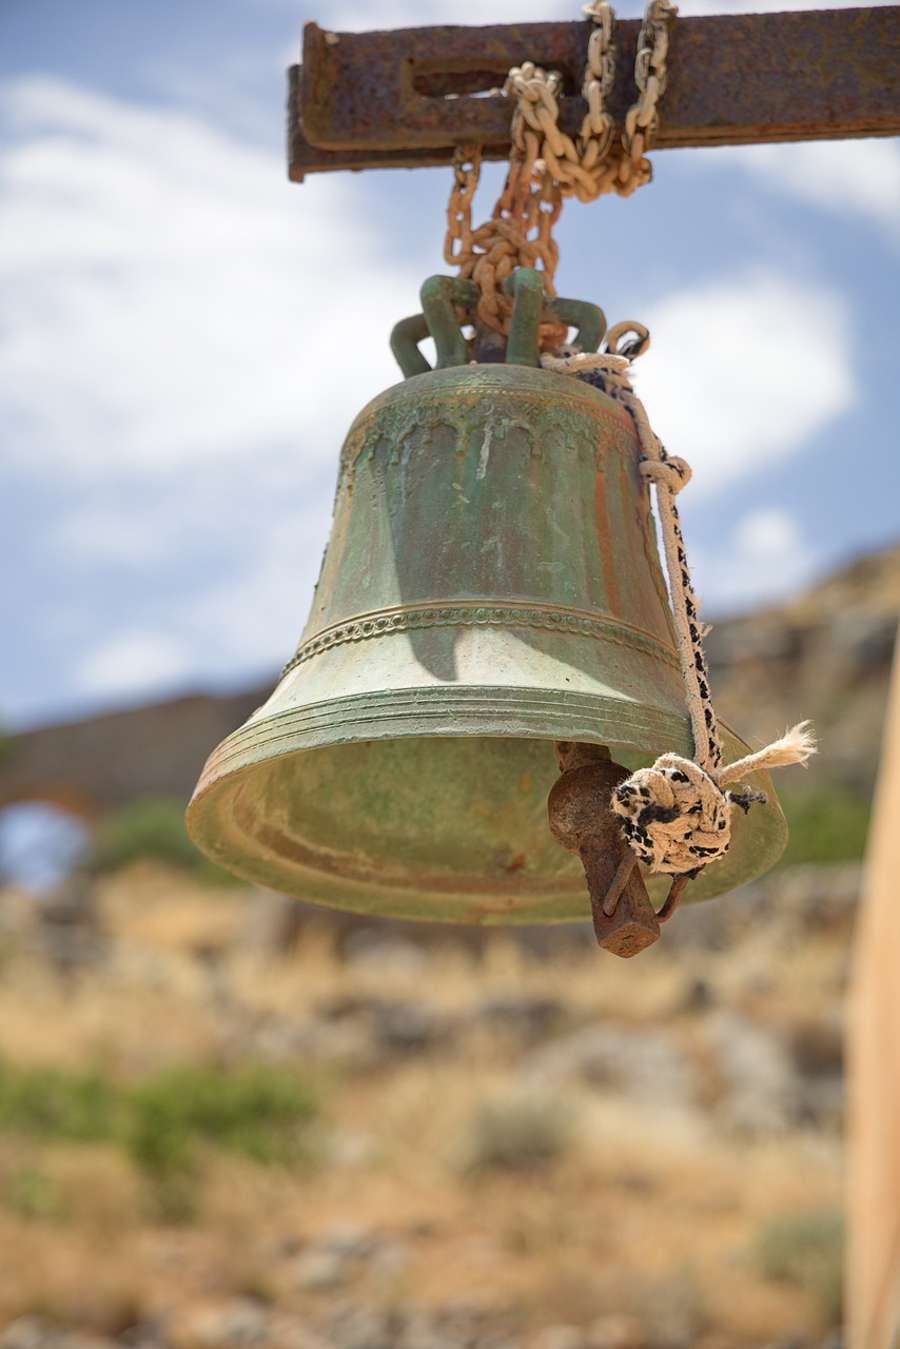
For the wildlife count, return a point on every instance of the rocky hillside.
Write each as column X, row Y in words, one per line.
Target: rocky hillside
column 825, row 655
column 212, row 1137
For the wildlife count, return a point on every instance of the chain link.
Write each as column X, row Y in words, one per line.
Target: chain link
column 546, row 165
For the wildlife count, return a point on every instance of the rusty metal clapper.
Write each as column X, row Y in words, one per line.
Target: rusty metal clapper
column 490, row 609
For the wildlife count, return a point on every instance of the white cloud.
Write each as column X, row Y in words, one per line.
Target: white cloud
column 133, row 662
column 346, row 16
column 256, row 620
column 856, row 178
column 765, row 558
column 166, row 296
column 743, row 372
column 771, row 532
column 101, row 534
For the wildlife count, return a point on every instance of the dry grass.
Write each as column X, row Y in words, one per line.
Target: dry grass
column 647, row 1213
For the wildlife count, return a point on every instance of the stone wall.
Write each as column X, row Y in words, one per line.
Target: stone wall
column 100, row 763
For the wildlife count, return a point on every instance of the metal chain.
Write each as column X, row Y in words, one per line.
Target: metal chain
column 546, row 165
column 466, row 173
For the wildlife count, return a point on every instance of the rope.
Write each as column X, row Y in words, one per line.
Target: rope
column 676, row 815
column 546, row 165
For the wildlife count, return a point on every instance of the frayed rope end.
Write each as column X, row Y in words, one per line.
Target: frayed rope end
column 796, row 746
column 799, row 742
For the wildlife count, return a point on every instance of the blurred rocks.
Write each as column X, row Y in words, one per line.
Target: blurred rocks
column 616, row 1332
column 33, row 1332
column 393, row 1026
column 230, row 1325
column 825, row 654
column 761, row 1093
column 560, row 1337
column 240, row 1323
column 274, row 923
column 69, row 925
column 448, row 1326
column 343, row 1253
column 390, row 954
column 646, row 1065
column 787, row 903
column 525, row 1017
column 816, row 1046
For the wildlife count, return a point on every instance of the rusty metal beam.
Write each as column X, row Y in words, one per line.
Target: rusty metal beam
column 406, row 98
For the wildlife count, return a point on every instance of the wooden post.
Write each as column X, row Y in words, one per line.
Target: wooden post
column 873, row 1263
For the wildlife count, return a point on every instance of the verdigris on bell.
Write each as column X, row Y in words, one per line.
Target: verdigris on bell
column 491, row 623
column 491, row 590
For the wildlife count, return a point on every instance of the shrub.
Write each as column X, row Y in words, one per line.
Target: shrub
column 806, row 1249
column 34, row 1195
column 52, row 1103
column 259, row 1110
column 153, row 830
column 518, row 1132
column 827, row 824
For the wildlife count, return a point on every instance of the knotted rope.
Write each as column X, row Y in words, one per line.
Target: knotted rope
column 676, row 815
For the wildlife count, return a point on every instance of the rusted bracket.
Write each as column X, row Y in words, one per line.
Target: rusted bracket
column 407, row 98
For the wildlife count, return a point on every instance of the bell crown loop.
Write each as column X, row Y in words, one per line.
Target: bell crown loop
column 449, row 304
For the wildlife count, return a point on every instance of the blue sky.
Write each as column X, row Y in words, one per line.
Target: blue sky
column 176, row 373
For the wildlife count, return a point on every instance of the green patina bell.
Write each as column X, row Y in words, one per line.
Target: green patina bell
column 491, row 586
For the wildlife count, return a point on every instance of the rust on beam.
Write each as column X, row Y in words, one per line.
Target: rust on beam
column 406, row 98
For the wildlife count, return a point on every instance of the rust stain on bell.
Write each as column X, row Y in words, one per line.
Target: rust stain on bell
column 474, row 607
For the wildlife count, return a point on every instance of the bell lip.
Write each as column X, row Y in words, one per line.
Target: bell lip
column 264, row 739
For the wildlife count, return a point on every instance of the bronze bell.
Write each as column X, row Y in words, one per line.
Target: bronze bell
column 491, row 587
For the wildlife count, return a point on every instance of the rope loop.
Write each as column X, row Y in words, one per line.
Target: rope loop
column 670, row 472
column 633, row 349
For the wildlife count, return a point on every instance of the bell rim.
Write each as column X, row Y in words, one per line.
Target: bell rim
column 530, row 713
column 265, row 739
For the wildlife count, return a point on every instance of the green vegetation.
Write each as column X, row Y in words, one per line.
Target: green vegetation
column 52, row 1103
column 827, row 824
column 256, row 1110
column 153, row 830
column 32, row 1194
column 806, row 1249
column 161, row 1122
